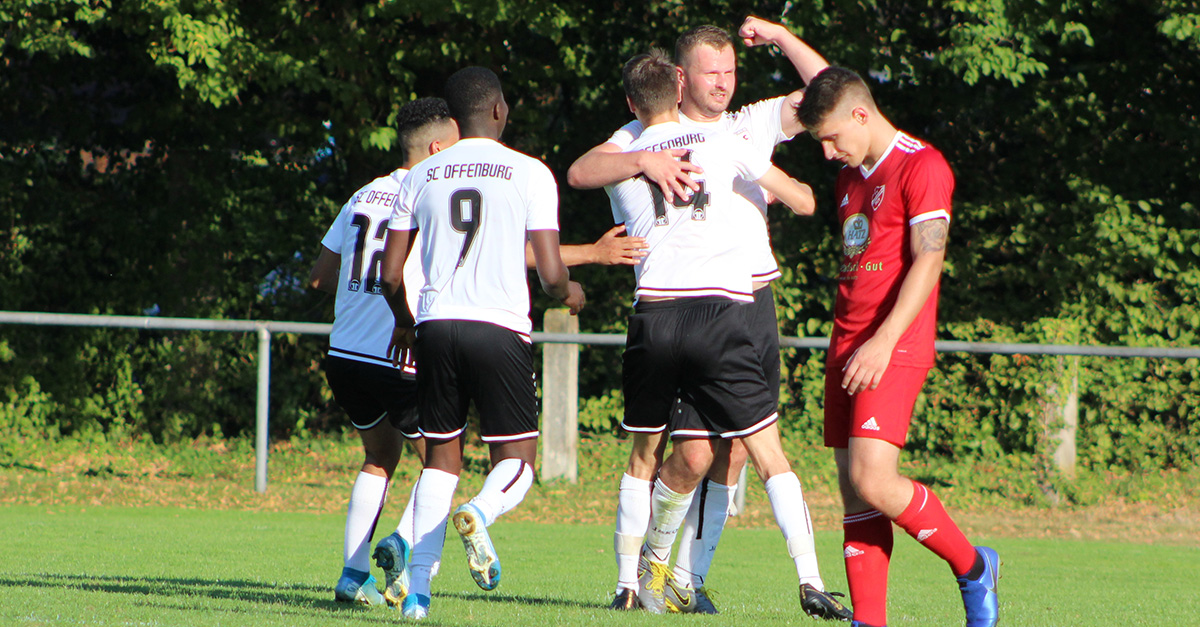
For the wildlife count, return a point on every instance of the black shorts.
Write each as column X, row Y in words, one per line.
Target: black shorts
column 463, row 360
column 370, row 392
column 702, row 351
column 763, row 326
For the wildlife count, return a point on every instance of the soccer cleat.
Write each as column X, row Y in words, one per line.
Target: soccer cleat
column 821, row 604
column 626, row 599
column 393, row 554
column 652, row 578
column 482, row 560
column 979, row 595
column 679, row 598
column 350, row 591
column 416, row 607
column 704, row 604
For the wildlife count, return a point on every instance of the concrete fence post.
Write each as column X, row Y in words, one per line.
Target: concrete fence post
column 560, row 399
column 1066, row 426
column 262, row 417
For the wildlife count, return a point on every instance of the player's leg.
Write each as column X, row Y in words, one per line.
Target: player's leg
column 633, row 514
column 705, row 521
column 497, row 366
column 791, row 514
column 670, row 498
column 442, row 411
column 393, row 553
column 650, row 386
column 432, row 499
column 356, row 389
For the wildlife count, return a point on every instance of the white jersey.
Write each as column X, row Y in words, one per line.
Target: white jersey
column 473, row 203
column 761, row 125
column 363, row 322
column 690, row 252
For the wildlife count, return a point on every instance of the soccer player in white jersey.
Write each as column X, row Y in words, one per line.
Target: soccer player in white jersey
column 379, row 398
column 688, row 336
column 707, row 74
column 473, row 206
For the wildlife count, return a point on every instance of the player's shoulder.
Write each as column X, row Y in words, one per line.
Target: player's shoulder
column 919, row 155
column 766, row 106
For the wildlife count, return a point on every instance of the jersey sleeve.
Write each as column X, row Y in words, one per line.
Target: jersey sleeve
column 542, row 197
column 624, row 137
column 762, row 120
column 335, row 235
column 928, row 187
column 750, row 162
column 402, row 212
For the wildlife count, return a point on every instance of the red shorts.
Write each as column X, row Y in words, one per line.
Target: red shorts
column 881, row 414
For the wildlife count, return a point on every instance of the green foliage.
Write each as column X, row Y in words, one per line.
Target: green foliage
column 184, row 158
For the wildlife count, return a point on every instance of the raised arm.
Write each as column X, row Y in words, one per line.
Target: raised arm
column 606, row 164
column 867, row 365
column 756, row 31
column 796, row 195
column 808, row 63
column 324, row 274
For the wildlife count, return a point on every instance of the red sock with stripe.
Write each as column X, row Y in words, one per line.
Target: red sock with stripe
column 926, row 520
column 868, row 551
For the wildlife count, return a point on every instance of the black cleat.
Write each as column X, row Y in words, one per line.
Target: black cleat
column 704, row 604
column 821, row 604
column 626, row 599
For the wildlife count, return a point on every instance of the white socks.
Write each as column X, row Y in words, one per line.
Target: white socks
column 701, row 532
column 505, row 487
column 791, row 514
column 433, row 496
column 366, row 500
column 633, row 517
column 405, row 528
column 667, row 509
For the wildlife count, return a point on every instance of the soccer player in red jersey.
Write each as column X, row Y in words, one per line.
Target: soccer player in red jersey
column 893, row 197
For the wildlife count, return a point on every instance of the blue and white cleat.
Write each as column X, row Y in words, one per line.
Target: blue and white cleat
column 393, row 555
column 348, row 590
column 481, row 555
column 979, row 595
column 416, row 607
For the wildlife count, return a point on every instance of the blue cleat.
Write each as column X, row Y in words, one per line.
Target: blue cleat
column 979, row 595
column 416, row 607
column 393, row 555
column 481, row 555
column 349, row 590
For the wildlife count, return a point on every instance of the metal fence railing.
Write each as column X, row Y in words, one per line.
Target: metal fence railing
column 264, row 328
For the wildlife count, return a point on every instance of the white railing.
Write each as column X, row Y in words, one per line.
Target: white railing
column 558, row 390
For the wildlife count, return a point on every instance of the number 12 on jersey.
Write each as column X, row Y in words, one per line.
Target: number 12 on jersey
column 466, row 212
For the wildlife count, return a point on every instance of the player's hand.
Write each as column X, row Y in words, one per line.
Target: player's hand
column 756, row 31
column 671, row 175
column 611, row 249
column 403, row 339
column 866, row 366
column 575, row 298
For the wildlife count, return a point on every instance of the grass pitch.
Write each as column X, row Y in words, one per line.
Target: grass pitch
column 157, row 566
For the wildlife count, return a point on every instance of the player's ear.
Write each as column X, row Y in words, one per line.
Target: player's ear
column 860, row 115
column 629, row 101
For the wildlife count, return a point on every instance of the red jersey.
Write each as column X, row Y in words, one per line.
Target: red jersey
column 877, row 207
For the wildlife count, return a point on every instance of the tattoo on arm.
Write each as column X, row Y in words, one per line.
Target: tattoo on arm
column 930, row 236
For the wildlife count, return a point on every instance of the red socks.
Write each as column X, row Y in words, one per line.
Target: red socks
column 868, row 549
column 926, row 520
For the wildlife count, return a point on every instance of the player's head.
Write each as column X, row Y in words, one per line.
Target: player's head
column 707, row 70
column 425, row 127
column 651, row 84
column 839, row 112
column 476, row 102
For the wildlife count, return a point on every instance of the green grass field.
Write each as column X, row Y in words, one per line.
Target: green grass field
column 67, row 565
